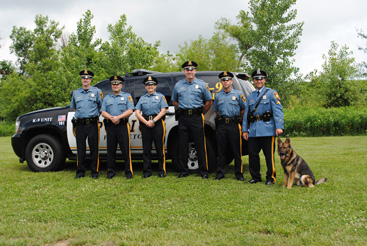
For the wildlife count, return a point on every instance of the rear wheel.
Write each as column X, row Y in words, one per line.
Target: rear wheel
column 44, row 153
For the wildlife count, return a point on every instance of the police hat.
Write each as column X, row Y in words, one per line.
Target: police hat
column 258, row 74
column 189, row 65
column 116, row 80
column 225, row 75
column 150, row 81
column 86, row 73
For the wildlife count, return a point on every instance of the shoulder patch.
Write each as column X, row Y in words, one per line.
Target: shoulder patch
column 130, row 99
column 276, row 95
column 243, row 98
column 101, row 95
column 164, row 98
column 207, row 87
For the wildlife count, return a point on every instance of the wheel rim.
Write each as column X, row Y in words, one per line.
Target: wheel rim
column 192, row 163
column 42, row 155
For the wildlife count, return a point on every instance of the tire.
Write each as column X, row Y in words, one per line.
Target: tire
column 192, row 160
column 44, row 153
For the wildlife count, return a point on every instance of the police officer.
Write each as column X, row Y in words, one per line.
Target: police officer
column 150, row 111
column 86, row 102
column 116, row 109
column 229, row 104
column 264, row 121
column 192, row 99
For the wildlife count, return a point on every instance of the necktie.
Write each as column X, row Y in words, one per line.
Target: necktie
column 258, row 92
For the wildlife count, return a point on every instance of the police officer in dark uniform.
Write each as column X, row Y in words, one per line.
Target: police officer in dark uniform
column 116, row 109
column 192, row 99
column 264, row 121
column 150, row 111
column 86, row 102
column 229, row 104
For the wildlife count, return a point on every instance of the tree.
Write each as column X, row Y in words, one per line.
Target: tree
column 22, row 42
column 338, row 68
column 267, row 38
column 125, row 51
column 215, row 54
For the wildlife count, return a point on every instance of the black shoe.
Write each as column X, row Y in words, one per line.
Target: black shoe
column 254, row 181
column 161, row 175
column 129, row 176
column 240, row 179
column 147, row 175
column 79, row 175
column 205, row 176
column 182, row 175
column 110, row 175
column 269, row 182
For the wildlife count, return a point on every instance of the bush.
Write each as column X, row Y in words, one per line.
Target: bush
column 325, row 122
column 6, row 128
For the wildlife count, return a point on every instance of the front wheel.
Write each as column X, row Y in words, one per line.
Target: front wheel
column 44, row 153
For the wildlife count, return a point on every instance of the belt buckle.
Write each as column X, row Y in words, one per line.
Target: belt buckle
column 87, row 121
column 257, row 117
column 227, row 120
column 189, row 111
column 150, row 117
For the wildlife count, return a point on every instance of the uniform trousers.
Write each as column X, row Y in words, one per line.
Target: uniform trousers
column 119, row 134
column 229, row 141
column 90, row 131
column 267, row 145
column 192, row 125
column 156, row 135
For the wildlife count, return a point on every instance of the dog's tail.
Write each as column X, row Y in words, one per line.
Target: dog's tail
column 322, row 180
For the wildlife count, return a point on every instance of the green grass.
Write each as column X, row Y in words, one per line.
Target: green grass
column 47, row 208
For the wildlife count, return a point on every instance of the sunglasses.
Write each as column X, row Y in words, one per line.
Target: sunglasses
column 259, row 77
column 86, row 77
column 226, row 79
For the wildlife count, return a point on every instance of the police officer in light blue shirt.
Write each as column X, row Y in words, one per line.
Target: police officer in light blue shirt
column 262, row 122
column 150, row 111
column 229, row 104
column 116, row 109
column 86, row 102
column 192, row 99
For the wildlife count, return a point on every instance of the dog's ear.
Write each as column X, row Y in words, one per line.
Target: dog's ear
column 279, row 140
column 288, row 141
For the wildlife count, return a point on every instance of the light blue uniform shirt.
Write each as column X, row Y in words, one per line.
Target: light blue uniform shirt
column 152, row 104
column 270, row 101
column 86, row 102
column 229, row 104
column 116, row 105
column 191, row 95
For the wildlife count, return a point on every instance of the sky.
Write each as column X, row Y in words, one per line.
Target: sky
column 172, row 22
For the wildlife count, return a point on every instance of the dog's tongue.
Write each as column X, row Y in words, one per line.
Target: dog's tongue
column 282, row 157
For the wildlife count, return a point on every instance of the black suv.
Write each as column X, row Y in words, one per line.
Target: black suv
column 45, row 138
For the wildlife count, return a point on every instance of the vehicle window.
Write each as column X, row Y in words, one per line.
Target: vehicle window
column 247, row 87
column 105, row 87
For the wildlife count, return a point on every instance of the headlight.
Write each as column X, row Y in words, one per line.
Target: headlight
column 17, row 123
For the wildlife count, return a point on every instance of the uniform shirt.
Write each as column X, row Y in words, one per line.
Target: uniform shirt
column 191, row 95
column 269, row 102
column 86, row 102
column 116, row 105
column 229, row 104
column 151, row 104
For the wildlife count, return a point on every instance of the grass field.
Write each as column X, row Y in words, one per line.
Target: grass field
column 57, row 209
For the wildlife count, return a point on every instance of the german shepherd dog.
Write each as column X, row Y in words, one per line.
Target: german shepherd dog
column 295, row 168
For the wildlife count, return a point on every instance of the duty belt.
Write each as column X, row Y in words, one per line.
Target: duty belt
column 226, row 120
column 258, row 117
column 84, row 121
column 194, row 111
column 149, row 117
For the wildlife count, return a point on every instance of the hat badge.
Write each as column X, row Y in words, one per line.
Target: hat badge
column 190, row 63
column 149, row 78
column 115, row 77
column 225, row 73
column 85, row 71
column 258, row 71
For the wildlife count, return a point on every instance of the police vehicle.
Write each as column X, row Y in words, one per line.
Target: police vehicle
column 45, row 138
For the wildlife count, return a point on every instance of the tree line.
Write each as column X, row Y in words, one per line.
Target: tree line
column 266, row 37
